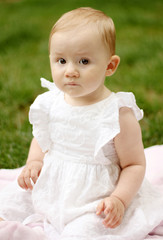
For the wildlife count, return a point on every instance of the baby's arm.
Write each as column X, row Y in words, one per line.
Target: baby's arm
column 33, row 166
column 130, row 150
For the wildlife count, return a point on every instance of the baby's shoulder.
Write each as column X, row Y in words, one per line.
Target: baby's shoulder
column 127, row 119
column 127, row 106
column 130, row 131
column 43, row 103
column 44, row 99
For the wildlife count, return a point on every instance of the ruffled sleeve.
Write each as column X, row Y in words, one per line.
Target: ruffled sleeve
column 110, row 126
column 39, row 115
column 127, row 99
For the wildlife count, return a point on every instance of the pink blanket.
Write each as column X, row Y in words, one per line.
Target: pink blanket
column 12, row 230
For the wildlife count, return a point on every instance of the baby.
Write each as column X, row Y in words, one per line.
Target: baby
column 86, row 159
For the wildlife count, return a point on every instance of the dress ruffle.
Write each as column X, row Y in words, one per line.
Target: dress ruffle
column 39, row 115
column 127, row 99
column 49, row 85
column 110, row 126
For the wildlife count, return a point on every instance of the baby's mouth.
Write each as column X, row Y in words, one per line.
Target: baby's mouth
column 72, row 84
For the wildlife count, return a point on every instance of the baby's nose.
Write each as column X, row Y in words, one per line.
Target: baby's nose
column 71, row 71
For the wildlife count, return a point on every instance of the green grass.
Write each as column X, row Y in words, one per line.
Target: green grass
column 24, row 32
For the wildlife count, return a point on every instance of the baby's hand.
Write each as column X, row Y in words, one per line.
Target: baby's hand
column 113, row 209
column 31, row 171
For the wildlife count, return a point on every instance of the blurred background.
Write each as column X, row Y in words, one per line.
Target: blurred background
column 24, row 31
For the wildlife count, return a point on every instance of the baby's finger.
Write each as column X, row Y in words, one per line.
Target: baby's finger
column 100, row 208
column 109, row 207
column 115, row 222
column 34, row 175
column 21, row 182
column 110, row 217
column 27, row 180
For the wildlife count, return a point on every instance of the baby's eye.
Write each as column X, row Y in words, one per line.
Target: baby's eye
column 83, row 61
column 62, row 61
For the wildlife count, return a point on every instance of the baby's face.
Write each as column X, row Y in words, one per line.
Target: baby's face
column 79, row 60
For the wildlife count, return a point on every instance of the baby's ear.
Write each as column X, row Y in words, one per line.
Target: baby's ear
column 112, row 66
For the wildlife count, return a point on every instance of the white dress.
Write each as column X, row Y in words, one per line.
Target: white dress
column 81, row 167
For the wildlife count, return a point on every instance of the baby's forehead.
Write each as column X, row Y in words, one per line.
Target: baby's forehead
column 78, row 30
column 77, row 35
column 85, row 40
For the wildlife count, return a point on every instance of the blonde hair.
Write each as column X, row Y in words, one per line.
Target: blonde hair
column 82, row 17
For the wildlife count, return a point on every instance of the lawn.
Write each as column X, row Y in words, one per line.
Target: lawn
column 24, row 32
